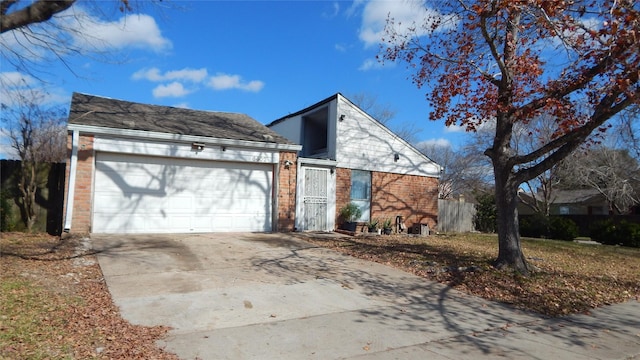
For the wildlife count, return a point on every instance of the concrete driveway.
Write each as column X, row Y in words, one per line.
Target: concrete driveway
column 274, row 296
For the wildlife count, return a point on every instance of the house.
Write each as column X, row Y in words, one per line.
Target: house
column 348, row 156
column 568, row 202
column 137, row 168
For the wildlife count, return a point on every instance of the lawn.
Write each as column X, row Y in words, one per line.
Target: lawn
column 570, row 277
column 54, row 304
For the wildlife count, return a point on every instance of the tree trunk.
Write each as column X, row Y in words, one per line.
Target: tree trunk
column 28, row 186
column 510, row 254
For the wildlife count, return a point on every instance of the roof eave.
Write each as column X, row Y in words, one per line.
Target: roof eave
column 152, row 135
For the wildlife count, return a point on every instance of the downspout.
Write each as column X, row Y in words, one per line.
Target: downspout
column 72, row 180
column 275, row 195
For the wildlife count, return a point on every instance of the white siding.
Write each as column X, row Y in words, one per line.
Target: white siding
column 363, row 143
column 184, row 150
column 290, row 128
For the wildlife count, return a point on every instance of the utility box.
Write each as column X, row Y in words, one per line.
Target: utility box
column 421, row 229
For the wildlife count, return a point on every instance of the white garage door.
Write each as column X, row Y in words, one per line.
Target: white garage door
column 144, row 194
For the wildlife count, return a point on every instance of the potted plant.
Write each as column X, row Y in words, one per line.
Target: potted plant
column 373, row 225
column 350, row 214
column 386, row 227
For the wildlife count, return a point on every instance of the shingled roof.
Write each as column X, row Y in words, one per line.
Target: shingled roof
column 119, row 114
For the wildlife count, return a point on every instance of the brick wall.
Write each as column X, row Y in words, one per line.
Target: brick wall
column 287, row 192
column 343, row 190
column 414, row 197
column 81, row 219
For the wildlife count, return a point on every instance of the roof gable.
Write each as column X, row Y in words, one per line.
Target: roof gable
column 119, row 114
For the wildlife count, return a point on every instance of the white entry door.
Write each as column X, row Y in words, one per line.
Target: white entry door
column 315, row 198
column 145, row 194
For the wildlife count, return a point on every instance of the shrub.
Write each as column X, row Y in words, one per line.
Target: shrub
column 609, row 233
column 486, row 219
column 536, row 225
column 562, row 229
column 350, row 212
column 6, row 212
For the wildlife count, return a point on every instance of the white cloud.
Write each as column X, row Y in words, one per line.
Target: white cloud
column 340, row 47
column 174, row 89
column 6, row 150
column 16, row 79
column 455, row 128
column 15, row 86
column 434, row 143
column 152, row 74
column 369, row 64
column 186, row 74
column 405, row 14
column 182, row 105
column 335, row 10
column 225, row 81
column 134, row 30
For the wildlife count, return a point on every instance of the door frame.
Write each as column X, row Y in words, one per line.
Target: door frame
column 330, row 166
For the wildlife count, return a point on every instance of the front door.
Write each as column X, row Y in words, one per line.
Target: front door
column 315, row 198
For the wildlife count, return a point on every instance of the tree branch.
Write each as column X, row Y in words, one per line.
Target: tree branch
column 39, row 11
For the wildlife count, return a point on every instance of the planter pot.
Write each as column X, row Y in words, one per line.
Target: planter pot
column 372, row 230
column 350, row 226
column 387, row 231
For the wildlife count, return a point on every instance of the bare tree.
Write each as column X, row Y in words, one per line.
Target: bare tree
column 612, row 172
column 372, row 106
column 37, row 135
column 384, row 113
column 628, row 130
column 463, row 172
column 35, row 33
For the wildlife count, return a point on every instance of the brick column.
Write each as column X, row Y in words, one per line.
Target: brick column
column 287, row 182
column 83, row 192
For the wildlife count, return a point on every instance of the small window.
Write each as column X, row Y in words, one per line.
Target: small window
column 315, row 133
column 361, row 192
column 564, row 210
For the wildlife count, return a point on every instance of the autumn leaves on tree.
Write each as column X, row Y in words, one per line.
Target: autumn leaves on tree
column 513, row 61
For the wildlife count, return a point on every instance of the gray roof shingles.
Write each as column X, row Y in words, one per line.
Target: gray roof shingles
column 119, row 114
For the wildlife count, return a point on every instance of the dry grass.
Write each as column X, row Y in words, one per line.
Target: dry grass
column 571, row 277
column 54, row 304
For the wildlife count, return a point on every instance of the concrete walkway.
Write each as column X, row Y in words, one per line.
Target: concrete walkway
column 273, row 296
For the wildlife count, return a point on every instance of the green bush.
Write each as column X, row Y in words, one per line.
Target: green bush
column 6, row 212
column 350, row 212
column 610, row 233
column 486, row 218
column 562, row 229
column 536, row 226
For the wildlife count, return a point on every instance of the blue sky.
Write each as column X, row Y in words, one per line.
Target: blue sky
column 262, row 58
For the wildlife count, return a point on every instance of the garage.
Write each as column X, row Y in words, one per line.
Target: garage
column 138, row 168
column 144, row 194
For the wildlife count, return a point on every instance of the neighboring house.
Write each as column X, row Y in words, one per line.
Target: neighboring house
column 137, row 168
column 348, row 156
column 570, row 202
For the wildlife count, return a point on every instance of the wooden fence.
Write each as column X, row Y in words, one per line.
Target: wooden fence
column 455, row 216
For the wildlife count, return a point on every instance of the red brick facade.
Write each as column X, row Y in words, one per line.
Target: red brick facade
column 287, row 192
column 413, row 197
column 81, row 218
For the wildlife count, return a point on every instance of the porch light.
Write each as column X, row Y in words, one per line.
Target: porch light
column 197, row 146
column 396, row 157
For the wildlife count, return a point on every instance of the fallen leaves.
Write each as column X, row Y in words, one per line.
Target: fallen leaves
column 54, row 306
column 571, row 278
